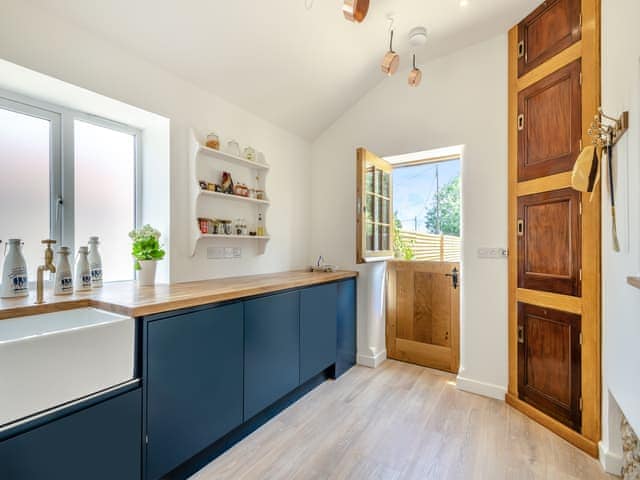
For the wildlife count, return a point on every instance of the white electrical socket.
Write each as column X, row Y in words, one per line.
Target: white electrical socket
column 493, row 252
column 237, row 252
column 215, row 252
column 228, row 252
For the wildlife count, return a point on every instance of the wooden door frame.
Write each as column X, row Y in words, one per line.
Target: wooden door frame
column 589, row 305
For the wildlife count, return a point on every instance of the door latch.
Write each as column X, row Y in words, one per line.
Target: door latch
column 521, row 49
column 520, row 334
column 454, row 277
column 520, row 227
column 521, row 121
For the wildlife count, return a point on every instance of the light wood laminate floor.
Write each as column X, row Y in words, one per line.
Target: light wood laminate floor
column 400, row 421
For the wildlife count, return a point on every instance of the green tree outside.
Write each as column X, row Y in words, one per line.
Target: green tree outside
column 443, row 212
column 401, row 248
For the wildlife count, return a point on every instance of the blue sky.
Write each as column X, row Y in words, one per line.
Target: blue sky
column 414, row 187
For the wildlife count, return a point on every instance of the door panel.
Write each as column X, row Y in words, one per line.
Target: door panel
column 549, row 359
column 548, row 30
column 318, row 324
column 271, row 349
column 549, row 138
column 194, row 383
column 549, row 242
column 423, row 314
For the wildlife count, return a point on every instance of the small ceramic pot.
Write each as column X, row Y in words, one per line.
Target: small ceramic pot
column 147, row 273
column 233, row 148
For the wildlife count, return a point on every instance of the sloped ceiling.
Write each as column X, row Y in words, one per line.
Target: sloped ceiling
column 296, row 67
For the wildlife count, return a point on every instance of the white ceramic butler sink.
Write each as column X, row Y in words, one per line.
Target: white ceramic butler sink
column 51, row 359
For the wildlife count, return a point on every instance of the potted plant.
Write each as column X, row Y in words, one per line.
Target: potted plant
column 146, row 250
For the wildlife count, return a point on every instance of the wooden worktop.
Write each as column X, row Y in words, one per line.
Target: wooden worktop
column 127, row 298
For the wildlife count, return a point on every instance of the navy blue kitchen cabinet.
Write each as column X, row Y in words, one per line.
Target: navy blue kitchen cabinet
column 101, row 442
column 271, row 350
column 346, row 353
column 194, row 383
column 318, row 313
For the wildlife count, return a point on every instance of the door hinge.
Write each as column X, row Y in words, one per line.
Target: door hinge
column 521, row 49
column 580, row 78
column 580, row 145
column 580, row 274
column 146, row 439
column 580, row 404
column 521, row 121
column 580, row 207
column 580, row 338
column 580, row 19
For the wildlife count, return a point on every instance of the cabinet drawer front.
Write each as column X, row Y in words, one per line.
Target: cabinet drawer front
column 549, row 362
column 551, row 124
column 194, row 384
column 271, row 346
column 318, row 327
column 548, row 30
column 102, row 442
column 549, row 252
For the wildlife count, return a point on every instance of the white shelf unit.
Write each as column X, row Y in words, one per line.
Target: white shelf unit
column 218, row 161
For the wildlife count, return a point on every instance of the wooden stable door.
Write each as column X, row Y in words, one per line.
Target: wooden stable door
column 423, row 318
column 549, row 242
column 548, row 338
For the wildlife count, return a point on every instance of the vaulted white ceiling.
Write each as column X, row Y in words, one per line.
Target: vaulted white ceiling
column 298, row 68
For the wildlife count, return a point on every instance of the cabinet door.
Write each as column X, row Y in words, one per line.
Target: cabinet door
column 346, row 354
column 271, row 349
column 318, row 325
column 550, row 124
column 102, row 442
column 194, row 383
column 549, row 360
column 548, row 30
column 549, row 242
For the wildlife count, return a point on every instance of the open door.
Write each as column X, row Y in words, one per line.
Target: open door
column 423, row 268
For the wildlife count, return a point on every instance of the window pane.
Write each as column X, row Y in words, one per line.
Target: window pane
column 24, row 183
column 105, row 195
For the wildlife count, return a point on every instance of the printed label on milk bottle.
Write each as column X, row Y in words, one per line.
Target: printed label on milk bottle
column 18, row 280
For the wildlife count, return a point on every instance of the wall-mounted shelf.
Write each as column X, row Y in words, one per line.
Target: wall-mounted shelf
column 220, row 155
column 205, row 163
column 634, row 281
column 228, row 196
column 233, row 237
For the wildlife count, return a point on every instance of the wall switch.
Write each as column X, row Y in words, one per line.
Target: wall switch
column 228, row 252
column 215, row 252
column 493, row 252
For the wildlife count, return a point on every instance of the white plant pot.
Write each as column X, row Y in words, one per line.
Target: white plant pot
column 147, row 273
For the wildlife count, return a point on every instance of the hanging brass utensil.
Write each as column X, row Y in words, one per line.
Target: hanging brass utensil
column 415, row 75
column 355, row 10
column 391, row 59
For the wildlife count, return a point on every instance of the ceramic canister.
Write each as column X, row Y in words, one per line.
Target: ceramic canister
column 83, row 270
column 63, row 277
column 14, row 271
column 95, row 262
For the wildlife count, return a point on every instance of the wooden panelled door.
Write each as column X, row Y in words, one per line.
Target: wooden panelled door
column 423, row 313
column 554, row 231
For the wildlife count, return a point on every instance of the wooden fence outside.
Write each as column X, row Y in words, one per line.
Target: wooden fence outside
column 429, row 247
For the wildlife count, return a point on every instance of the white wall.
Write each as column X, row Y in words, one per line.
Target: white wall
column 621, row 303
column 46, row 44
column 462, row 100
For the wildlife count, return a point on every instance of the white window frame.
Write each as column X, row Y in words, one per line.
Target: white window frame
column 62, row 159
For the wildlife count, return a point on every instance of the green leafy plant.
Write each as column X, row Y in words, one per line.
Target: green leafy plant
column 402, row 249
column 146, row 245
column 443, row 214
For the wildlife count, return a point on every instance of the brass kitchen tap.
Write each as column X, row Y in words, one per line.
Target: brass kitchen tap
column 48, row 266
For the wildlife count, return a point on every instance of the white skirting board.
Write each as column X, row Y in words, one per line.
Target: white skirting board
column 611, row 462
column 372, row 361
column 480, row 388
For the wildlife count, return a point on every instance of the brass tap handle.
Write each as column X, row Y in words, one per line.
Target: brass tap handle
column 49, row 242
